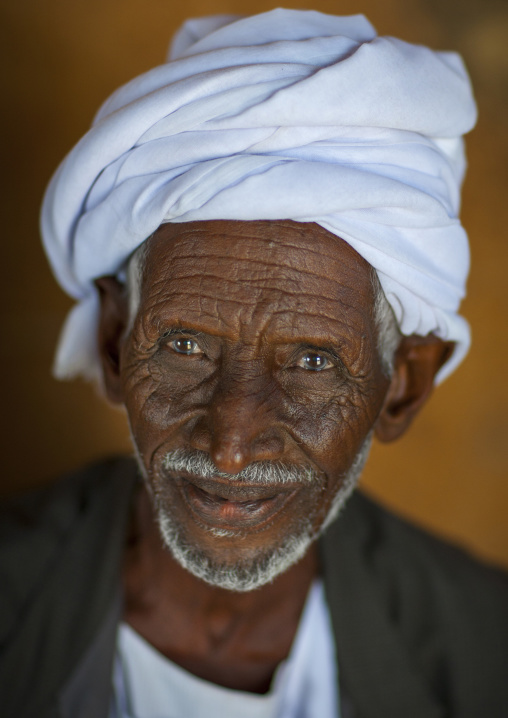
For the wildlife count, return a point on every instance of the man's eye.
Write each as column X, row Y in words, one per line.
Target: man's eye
column 315, row 361
column 185, row 346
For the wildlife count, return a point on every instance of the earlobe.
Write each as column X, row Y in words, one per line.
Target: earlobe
column 417, row 361
column 112, row 323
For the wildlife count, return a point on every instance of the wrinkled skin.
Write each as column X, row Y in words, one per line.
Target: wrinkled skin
column 254, row 321
column 253, row 341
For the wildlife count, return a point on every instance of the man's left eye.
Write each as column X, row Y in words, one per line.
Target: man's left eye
column 184, row 345
column 314, row 361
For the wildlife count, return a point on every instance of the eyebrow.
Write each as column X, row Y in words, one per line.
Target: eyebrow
column 312, row 343
column 181, row 330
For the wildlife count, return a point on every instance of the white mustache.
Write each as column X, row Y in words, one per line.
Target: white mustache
column 260, row 473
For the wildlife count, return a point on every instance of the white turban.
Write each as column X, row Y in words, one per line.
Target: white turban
column 285, row 115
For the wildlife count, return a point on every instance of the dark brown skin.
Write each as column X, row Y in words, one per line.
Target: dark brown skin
column 232, row 639
column 253, row 341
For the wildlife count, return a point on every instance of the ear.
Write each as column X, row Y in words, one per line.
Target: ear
column 112, row 323
column 417, row 361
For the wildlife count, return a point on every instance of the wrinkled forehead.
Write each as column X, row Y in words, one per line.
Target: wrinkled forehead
column 283, row 267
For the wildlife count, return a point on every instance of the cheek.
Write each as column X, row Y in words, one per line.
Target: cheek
column 160, row 398
column 332, row 425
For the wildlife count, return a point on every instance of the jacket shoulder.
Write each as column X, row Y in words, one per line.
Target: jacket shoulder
column 35, row 525
column 399, row 552
column 447, row 612
column 60, row 558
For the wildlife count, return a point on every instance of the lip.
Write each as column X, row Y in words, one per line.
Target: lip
column 232, row 505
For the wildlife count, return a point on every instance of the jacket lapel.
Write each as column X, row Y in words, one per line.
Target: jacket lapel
column 379, row 674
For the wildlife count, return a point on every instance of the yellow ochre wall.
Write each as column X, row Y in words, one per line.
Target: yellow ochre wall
column 60, row 60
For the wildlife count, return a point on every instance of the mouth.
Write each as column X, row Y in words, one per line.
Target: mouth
column 230, row 505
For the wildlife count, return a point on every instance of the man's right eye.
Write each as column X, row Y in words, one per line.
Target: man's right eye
column 184, row 345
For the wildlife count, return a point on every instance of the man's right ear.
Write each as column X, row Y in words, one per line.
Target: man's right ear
column 113, row 320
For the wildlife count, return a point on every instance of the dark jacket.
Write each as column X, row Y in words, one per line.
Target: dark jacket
column 421, row 630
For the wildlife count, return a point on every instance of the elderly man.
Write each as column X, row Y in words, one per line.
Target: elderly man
column 263, row 240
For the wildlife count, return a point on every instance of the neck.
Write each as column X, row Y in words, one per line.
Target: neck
column 210, row 631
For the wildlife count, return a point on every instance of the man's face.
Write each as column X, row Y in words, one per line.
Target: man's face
column 254, row 345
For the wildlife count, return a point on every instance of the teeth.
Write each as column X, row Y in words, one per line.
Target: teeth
column 239, row 502
column 219, row 491
column 234, row 505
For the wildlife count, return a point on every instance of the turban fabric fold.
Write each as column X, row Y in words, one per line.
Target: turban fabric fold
column 284, row 115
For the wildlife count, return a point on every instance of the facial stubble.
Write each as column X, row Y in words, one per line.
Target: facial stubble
column 247, row 574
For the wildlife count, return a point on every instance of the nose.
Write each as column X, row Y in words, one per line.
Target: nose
column 240, row 425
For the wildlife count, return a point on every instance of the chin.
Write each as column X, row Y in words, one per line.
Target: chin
column 244, row 574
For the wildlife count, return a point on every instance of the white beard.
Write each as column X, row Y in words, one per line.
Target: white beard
column 256, row 572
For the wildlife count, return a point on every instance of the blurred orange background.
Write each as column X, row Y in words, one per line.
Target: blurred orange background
column 60, row 60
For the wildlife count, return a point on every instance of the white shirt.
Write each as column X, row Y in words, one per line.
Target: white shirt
column 148, row 685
